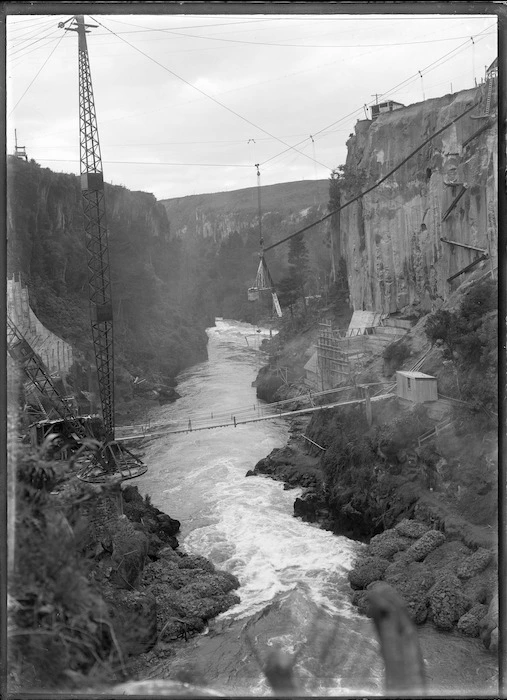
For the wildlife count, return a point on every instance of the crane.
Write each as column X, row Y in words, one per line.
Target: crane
column 78, row 428
column 118, row 459
column 263, row 279
column 34, row 369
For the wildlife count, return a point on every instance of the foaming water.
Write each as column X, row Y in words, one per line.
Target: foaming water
column 291, row 574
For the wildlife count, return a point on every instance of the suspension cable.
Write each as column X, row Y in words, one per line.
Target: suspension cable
column 259, row 208
column 379, row 182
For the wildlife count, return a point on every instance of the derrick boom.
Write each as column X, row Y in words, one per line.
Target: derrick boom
column 33, row 367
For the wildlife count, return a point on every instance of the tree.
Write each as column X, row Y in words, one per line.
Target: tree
column 298, row 264
column 287, row 293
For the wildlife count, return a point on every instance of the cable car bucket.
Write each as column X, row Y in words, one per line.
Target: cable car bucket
column 264, row 283
column 263, row 280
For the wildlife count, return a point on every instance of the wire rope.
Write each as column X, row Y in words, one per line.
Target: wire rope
column 14, row 54
column 36, row 75
column 431, row 66
column 142, row 162
column 213, row 99
column 379, row 182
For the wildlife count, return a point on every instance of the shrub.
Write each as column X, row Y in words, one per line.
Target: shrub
column 59, row 626
column 470, row 337
column 395, row 355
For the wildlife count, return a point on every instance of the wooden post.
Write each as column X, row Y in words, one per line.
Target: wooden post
column 399, row 645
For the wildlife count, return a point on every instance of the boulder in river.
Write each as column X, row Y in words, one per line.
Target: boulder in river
column 425, row 544
column 366, row 571
column 469, row 623
column 447, row 602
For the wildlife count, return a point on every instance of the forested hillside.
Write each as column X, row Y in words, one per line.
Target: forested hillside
column 221, row 233
column 160, row 307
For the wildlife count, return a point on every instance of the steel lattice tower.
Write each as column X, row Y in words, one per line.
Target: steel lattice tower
column 92, row 188
column 35, row 370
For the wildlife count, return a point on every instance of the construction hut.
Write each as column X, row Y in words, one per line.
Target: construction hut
column 383, row 107
column 416, row 386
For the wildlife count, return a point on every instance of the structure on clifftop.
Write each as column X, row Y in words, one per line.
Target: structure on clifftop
column 412, row 239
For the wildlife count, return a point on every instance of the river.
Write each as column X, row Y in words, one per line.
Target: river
column 294, row 590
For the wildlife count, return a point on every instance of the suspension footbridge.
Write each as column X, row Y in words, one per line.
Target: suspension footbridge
column 303, row 404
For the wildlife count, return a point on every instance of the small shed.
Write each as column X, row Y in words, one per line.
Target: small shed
column 416, row 386
column 382, row 107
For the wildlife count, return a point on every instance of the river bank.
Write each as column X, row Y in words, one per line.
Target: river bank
column 443, row 565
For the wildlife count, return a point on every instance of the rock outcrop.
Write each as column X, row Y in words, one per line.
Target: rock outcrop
column 427, row 570
column 391, row 239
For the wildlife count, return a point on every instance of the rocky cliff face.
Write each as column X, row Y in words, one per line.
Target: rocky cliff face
column 391, row 239
column 159, row 320
column 285, row 206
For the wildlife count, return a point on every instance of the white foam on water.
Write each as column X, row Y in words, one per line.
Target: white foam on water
column 246, row 525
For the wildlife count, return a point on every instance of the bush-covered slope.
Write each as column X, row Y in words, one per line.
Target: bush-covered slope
column 159, row 310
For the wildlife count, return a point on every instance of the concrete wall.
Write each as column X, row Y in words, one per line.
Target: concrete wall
column 55, row 353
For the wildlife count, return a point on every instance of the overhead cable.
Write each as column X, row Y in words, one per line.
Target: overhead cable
column 379, row 182
column 210, row 97
column 36, row 75
column 144, row 162
column 427, row 69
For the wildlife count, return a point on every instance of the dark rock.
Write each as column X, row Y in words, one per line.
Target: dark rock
column 361, row 599
column 308, row 506
column 411, row 528
column 168, row 525
column 447, row 602
column 475, row 563
column 387, row 543
column 366, row 571
column 250, row 472
column 425, row 544
column 448, row 556
column 469, row 623
column 134, row 619
column 488, row 626
column 155, row 544
column 150, row 524
column 131, row 494
column 362, row 602
column 168, row 553
column 412, row 581
column 196, row 562
column 130, row 550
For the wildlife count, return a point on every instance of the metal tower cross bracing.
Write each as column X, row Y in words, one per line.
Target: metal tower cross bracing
column 32, row 365
column 95, row 222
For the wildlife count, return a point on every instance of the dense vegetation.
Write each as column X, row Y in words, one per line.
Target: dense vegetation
column 160, row 307
column 221, row 232
column 365, row 485
column 59, row 626
column 470, row 339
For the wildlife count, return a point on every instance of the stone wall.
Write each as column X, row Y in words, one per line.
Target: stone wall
column 56, row 354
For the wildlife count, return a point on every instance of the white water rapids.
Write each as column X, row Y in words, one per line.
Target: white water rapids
column 293, row 576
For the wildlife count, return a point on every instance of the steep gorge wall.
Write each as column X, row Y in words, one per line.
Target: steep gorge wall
column 391, row 238
column 220, row 214
column 159, row 321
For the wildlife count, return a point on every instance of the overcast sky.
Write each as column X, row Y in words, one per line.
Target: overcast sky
column 188, row 104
